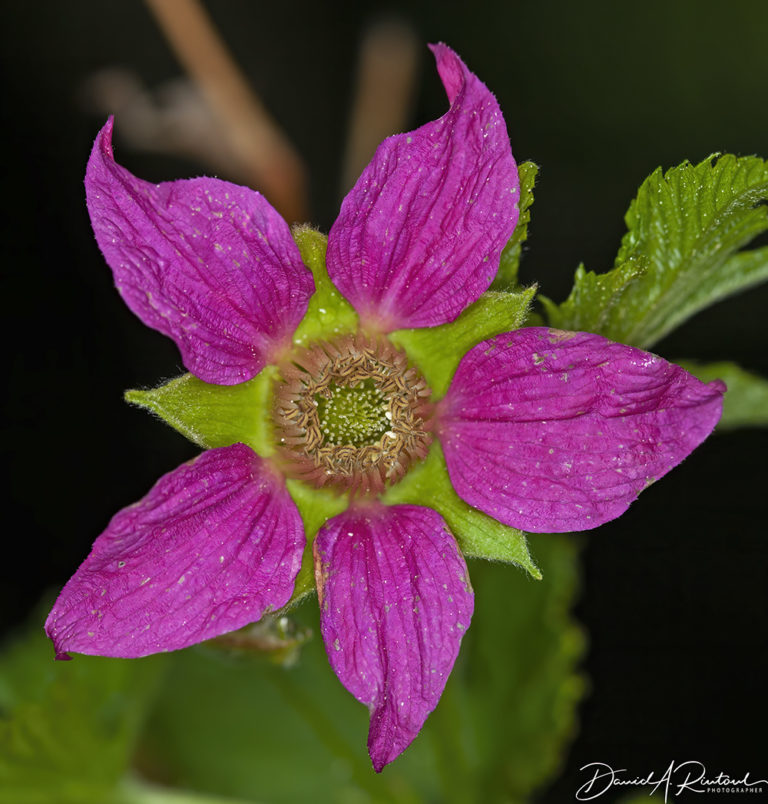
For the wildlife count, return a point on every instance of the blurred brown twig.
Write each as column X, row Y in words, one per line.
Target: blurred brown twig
column 386, row 77
column 269, row 161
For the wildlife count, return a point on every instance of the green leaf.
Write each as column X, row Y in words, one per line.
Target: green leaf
column 68, row 729
column 596, row 303
column 478, row 535
column 745, row 403
column 685, row 228
column 215, row 415
column 742, row 271
column 329, row 313
column 510, row 256
column 438, row 350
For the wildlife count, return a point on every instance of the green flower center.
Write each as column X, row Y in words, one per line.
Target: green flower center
column 351, row 413
column 356, row 415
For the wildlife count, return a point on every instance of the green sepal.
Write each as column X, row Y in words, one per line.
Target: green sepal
column 329, row 314
column 685, row 228
column 316, row 507
column 478, row 535
column 438, row 350
column 745, row 404
column 506, row 278
column 215, row 415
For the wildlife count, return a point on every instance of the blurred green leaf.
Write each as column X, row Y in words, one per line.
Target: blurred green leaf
column 135, row 791
column 520, row 673
column 745, row 403
column 685, row 228
column 68, row 729
column 506, row 279
column 245, row 728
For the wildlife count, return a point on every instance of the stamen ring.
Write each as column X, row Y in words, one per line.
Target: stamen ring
column 351, row 413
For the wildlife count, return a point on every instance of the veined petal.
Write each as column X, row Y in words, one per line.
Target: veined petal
column 208, row 263
column 395, row 601
column 558, row 431
column 212, row 546
column 419, row 236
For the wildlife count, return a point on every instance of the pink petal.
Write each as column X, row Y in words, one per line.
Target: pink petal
column 395, row 601
column 419, row 236
column 558, row 431
column 215, row 544
column 208, row 263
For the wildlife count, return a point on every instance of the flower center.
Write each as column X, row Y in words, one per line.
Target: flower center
column 351, row 413
column 356, row 415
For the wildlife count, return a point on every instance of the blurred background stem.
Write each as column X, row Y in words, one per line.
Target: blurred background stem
column 270, row 162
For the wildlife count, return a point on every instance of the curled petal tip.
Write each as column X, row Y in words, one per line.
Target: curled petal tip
column 453, row 71
column 61, row 654
column 718, row 385
column 104, row 140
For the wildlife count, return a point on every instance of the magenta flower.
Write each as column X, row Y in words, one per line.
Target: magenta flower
column 541, row 430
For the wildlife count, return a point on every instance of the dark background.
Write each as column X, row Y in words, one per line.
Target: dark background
column 598, row 94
